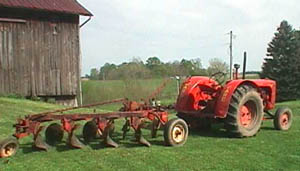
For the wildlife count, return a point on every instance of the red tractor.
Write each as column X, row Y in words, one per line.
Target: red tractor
column 240, row 104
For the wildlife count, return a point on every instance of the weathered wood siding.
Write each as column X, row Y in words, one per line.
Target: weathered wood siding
column 39, row 57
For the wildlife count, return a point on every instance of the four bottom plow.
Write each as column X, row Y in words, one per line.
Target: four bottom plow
column 98, row 126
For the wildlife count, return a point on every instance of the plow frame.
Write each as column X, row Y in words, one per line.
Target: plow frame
column 133, row 112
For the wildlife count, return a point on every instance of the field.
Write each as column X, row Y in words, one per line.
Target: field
column 94, row 91
column 207, row 150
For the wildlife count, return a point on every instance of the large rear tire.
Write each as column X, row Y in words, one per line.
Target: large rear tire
column 245, row 112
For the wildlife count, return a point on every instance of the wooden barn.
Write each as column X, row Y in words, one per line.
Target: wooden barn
column 39, row 48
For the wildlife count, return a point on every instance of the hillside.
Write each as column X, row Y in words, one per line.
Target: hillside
column 269, row 150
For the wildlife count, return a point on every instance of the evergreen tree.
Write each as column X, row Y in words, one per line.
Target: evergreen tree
column 282, row 62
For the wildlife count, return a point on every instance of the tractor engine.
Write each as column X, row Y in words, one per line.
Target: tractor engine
column 198, row 94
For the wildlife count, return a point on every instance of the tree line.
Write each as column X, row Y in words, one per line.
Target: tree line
column 153, row 67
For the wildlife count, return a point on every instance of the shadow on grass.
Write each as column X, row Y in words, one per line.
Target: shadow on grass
column 29, row 148
column 219, row 132
column 128, row 142
column 65, row 147
column 60, row 147
column 157, row 142
column 210, row 133
column 268, row 128
column 215, row 131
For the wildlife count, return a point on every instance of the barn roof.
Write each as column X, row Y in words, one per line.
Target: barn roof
column 61, row 6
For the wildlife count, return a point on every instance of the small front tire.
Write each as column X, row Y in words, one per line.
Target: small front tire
column 283, row 119
column 176, row 132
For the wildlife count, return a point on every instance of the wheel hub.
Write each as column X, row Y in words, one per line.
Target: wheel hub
column 245, row 116
column 178, row 133
column 284, row 120
column 9, row 150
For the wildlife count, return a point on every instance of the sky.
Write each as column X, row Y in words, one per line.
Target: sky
column 121, row 30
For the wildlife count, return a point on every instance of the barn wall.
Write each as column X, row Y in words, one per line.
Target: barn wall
column 39, row 57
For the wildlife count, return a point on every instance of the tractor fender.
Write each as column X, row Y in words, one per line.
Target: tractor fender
column 222, row 104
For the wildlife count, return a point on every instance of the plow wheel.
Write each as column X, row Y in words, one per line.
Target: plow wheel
column 89, row 131
column 176, row 132
column 283, row 118
column 245, row 112
column 54, row 133
column 8, row 147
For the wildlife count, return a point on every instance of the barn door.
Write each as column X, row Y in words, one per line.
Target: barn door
column 6, row 55
column 11, row 61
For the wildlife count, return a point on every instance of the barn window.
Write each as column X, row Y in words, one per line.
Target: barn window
column 54, row 26
column 55, row 29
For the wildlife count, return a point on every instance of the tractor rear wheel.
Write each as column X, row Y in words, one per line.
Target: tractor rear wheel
column 283, row 118
column 245, row 112
column 176, row 132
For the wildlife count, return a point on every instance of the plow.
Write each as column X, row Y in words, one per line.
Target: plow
column 98, row 125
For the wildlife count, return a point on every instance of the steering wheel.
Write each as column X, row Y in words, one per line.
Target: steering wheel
column 220, row 77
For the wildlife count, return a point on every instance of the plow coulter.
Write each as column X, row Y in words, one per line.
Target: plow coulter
column 98, row 125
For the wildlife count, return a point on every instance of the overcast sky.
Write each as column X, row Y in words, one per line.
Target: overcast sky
column 176, row 29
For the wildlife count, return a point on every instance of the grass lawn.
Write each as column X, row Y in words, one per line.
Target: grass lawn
column 269, row 150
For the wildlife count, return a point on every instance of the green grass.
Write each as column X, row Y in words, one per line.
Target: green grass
column 251, row 76
column 211, row 150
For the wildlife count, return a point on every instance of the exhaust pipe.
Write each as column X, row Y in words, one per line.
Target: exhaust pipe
column 244, row 65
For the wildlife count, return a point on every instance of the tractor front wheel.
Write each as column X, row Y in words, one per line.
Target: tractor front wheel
column 245, row 112
column 8, row 147
column 176, row 132
column 283, row 119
